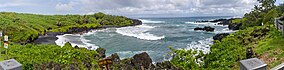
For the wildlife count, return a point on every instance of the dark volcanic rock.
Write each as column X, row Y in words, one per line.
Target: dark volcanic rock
column 198, row 28
column 235, row 26
column 139, row 62
column 206, row 28
column 115, row 58
column 142, row 59
column 166, row 65
column 101, row 52
column 220, row 36
column 136, row 22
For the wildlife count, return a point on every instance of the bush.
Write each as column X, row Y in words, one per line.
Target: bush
column 33, row 57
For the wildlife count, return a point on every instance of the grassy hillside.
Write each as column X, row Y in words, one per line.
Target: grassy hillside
column 24, row 28
column 27, row 27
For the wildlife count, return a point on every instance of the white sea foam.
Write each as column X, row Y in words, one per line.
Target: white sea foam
column 85, row 43
column 139, row 31
column 202, row 23
column 150, row 21
column 225, row 30
column 203, row 45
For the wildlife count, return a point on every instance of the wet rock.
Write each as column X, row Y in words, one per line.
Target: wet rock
column 198, row 28
column 220, row 36
column 206, row 28
column 101, row 52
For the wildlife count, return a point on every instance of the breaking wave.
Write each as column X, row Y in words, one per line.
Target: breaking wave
column 203, row 45
column 151, row 21
column 202, row 23
column 140, row 32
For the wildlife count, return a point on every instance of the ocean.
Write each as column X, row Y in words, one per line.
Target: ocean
column 154, row 36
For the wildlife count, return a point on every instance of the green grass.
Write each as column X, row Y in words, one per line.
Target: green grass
column 272, row 47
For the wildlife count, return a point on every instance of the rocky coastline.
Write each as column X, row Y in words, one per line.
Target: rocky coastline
column 231, row 26
column 50, row 37
column 228, row 22
column 138, row 61
column 141, row 61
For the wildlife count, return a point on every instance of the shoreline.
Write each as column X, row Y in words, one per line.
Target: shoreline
column 51, row 37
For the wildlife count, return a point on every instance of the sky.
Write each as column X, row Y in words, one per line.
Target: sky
column 133, row 8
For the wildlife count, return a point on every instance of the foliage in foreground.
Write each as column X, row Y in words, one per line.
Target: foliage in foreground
column 225, row 54
column 41, row 56
column 257, row 33
column 187, row 59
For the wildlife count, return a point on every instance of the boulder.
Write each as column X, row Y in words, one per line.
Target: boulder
column 206, row 28
column 220, row 36
column 198, row 28
column 142, row 59
column 101, row 52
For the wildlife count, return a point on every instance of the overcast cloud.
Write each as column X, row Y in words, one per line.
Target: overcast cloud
column 132, row 8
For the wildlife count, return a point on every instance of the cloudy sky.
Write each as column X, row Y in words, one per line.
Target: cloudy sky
column 133, row 8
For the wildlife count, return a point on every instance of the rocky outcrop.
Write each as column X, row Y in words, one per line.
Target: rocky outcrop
column 142, row 59
column 101, row 52
column 165, row 65
column 220, row 36
column 220, row 21
column 206, row 28
column 231, row 26
column 115, row 58
column 136, row 22
column 139, row 62
column 234, row 26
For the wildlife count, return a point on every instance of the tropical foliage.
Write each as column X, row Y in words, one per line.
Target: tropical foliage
column 40, row 56
column 257, row 32
column 27, row 27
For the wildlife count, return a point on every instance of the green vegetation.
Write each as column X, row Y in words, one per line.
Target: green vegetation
column 27, row 27
column 39, row 56
column 23, row 28
column 265, row 40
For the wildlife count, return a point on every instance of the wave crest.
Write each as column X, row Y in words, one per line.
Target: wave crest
column 139, row 31
column 78, row 40
column 203, row 45
column 151, row 21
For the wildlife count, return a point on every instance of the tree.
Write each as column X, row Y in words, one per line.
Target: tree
column 265, row 5
column 99, row 15
column 280, row 8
